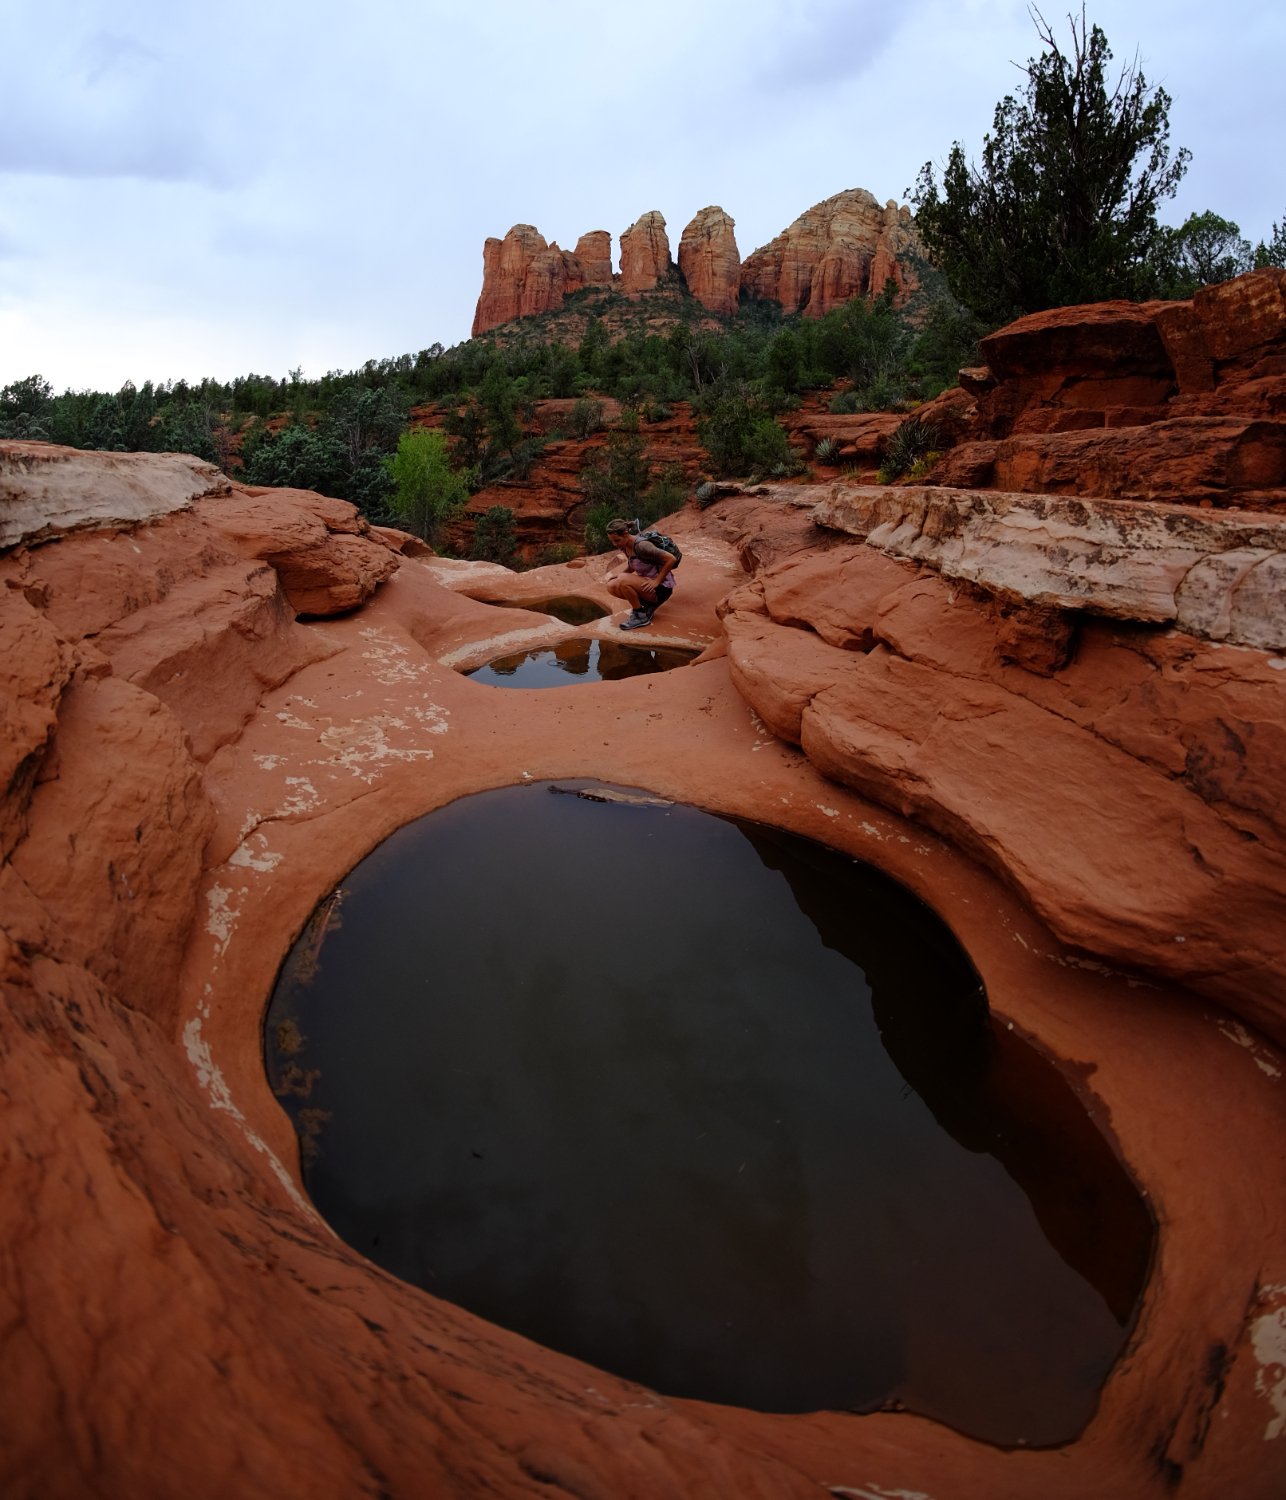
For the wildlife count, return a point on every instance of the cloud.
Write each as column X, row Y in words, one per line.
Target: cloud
column 818, row 42
column 100, row 103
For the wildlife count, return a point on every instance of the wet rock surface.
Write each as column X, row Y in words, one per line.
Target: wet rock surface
column 193, row 759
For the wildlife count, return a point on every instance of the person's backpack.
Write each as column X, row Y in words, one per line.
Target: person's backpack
column 666, row 543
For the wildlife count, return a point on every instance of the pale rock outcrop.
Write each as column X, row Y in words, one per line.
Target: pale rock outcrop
column 710, row 262
column 1217, row 575
column 47, row 491
column 645, row 254
column 843, row 247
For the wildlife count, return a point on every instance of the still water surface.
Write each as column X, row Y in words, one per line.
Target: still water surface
column 706, row 1105
column 580, row 660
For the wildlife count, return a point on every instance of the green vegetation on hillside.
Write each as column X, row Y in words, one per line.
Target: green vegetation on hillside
column 1062, row 209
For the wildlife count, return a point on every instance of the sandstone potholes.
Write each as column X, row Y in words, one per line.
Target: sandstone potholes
column 180, row 1319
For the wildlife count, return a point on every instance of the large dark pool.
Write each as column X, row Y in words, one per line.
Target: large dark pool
column 708, row 1106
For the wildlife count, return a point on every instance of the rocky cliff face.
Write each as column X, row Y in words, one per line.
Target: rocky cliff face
column 709, row 260
column 847, row 246
column 645, row 254
column 844, row 247
column 522, row 275
column 1060, row 719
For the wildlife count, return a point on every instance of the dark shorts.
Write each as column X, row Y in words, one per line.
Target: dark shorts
column 662, row 594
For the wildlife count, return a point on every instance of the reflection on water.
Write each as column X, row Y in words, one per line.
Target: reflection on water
column 571, row 609
column 587, row 660
column 707, row 1106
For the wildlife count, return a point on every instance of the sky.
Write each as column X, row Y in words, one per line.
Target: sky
column 214, row 189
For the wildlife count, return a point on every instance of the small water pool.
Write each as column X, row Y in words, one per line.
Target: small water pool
column 582, row 660
column 571, row 609
column 708, row 1106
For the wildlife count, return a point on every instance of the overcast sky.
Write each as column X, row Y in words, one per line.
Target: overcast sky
column 255, row 185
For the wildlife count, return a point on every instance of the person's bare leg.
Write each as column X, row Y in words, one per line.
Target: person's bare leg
column 630, row 592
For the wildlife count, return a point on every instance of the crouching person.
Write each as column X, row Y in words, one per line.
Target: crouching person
column 646, row 582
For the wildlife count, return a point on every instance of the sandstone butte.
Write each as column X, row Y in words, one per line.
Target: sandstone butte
column 844, row 247
column 1058, row 715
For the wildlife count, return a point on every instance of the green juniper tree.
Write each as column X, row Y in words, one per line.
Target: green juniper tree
column 1063, row 208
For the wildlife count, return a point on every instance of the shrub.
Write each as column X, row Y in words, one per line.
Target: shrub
column 707, row 493
column 882, row 394
column 911, row 444
column 665, row 495
column 616, row 474
column 556, row 552
column 827, row 451
column 426, row 490
column 585, row 417
column 844, row 404
column 494, row 537
column 740, row 437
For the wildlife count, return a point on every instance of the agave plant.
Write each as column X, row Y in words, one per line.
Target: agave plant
column 911, row 444
column 827, row 451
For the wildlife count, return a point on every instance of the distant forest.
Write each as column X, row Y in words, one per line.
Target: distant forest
column 1062, row 207
column 338, row 434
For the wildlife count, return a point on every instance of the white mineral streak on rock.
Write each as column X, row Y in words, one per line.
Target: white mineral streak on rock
column 391, row 661
column 1268, row 1343
column 1220, row 575
column 221, row 919
column 303, row 799
column 211, row 1079
column 361, row 746
column 1261, row 1056
column 47, row 491
column 260, row 858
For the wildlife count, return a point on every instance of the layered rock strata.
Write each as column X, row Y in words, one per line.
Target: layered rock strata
column 843, row 247
column 1074, row 755
column 1172, row 402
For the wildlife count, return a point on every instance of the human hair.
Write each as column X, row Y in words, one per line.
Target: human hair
column 617, row 526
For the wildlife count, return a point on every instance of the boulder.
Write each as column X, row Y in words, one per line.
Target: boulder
column 322, row 549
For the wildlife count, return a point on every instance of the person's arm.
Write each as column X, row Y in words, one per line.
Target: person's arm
column 659, row 558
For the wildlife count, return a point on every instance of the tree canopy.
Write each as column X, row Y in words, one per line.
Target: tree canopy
column 1063, row 208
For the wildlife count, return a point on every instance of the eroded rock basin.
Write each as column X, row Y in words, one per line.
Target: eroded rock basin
column 732, row 1122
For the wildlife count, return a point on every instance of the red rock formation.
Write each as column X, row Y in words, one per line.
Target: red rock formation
column 179, row 1322
column 844, row 247
column 594, row 252
column 522, row 275
column 645, row 254
column 709, row 260
column 1180, row 402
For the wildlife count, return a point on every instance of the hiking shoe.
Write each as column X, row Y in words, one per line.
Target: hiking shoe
column 638, row 619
